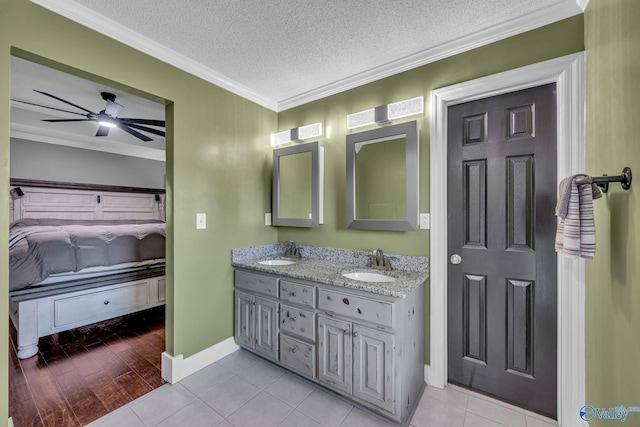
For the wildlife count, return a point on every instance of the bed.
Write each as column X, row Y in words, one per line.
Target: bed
column 81, row 254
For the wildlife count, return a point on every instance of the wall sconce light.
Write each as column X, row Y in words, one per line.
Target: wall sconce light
column 386, row 113
column 298, row 134
column 16, row 193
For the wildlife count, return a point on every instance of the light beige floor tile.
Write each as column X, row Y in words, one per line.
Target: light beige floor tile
column 495, row 412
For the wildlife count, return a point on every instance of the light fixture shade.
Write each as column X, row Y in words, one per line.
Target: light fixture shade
column 310, row 131
column 361, row 118
column 385, row 113
column 406, row 108
column 297, row 134
column 281, row 138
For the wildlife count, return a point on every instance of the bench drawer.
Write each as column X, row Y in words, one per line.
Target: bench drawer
column 357, row 307
column 265, row 285
column 79, row 308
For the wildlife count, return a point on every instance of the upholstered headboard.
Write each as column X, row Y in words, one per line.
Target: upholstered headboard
column 45, row 199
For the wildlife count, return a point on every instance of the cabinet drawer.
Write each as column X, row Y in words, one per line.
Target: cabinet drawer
column 258, row 283
column 299, row 322
column 98, row 304
column 298, row 293
column 298, row 355
column 357, row 307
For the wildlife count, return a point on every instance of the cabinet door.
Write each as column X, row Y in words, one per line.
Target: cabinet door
column 373, row 366
column 244, row 319
column 334, row 353
column 266, row 327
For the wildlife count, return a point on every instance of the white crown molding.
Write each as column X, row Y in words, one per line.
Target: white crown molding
column 582, row 4
column 31, row 133
column 90, row 19
column 112, row 29
column 539, row 18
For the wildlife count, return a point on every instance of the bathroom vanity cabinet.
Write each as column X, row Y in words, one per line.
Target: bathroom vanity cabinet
column 366, row 346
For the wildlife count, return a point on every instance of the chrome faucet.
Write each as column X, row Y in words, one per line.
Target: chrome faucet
column 291, row 250
column 378, row 260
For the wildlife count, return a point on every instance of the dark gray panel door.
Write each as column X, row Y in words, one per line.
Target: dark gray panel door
column 502, row 293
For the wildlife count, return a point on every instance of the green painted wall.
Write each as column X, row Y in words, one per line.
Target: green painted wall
column 559, row 39
column 612, row 40
column 218, row 162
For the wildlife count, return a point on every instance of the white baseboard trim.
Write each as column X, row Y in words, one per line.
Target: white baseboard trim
column 427, row 374
column 176, row 368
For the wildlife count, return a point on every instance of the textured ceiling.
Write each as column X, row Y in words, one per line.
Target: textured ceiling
column 281, row 49
column 279, row 53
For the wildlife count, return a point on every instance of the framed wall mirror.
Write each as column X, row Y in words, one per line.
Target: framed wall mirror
column 382, row 178
column 298, row 185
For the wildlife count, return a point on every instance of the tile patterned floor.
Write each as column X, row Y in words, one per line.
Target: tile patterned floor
column 243, row 390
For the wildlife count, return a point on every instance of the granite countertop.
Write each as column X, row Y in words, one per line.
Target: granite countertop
column 327, row 265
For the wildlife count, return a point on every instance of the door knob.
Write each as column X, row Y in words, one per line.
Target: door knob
column 455, row 259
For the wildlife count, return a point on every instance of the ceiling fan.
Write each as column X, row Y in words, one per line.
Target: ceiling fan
column 107, row 118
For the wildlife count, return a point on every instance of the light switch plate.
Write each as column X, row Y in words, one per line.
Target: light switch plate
column 267, row 218
column 425, row 221
column 201, row 221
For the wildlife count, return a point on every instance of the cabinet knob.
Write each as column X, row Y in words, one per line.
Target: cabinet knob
column 294, row 318
column 106, row 303
column 346, row 332
column 355, row 334
column 293, row 294
column 294, row 349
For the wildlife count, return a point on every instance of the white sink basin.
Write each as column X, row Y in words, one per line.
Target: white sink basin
column 277, row 262
column 369, row 277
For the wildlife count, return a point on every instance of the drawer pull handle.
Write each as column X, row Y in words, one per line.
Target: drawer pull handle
column 106, row 303
column 293, row 294
column 294, row 349
column 345, row 300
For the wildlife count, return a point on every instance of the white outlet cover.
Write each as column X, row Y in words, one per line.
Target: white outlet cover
column 425, row 221
column 267, row 218
column 201, row 221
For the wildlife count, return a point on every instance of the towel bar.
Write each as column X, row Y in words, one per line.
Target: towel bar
column 603, row 181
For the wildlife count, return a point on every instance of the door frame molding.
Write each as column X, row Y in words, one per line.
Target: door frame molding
column 568, row 73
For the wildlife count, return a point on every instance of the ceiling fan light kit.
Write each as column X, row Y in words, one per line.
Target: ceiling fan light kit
column 108, row 118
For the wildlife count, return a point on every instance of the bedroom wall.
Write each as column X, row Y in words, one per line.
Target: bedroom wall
column 49, row 162
column 218, row 162
column 612, row 37
column 559, row 39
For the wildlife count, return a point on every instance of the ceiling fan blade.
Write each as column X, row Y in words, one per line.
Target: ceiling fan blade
column 66, row 102
column 103, row 131
column 144, row 122
column 67, row 120
column 146, row 129
column 135, row 133
column 51, row 108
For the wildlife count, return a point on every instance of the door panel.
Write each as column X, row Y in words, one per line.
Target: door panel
column 266, row 327
column 335, row 353
column 502, row 296
column 373, row 366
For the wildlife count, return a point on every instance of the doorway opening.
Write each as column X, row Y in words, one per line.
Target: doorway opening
column 67, row 168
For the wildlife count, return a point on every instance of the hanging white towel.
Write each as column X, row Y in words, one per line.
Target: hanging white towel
column 576, row 234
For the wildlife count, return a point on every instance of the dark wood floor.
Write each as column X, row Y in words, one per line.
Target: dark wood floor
column 85, row 373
